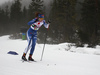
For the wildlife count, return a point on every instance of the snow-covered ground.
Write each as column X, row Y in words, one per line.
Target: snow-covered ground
column 57, row 59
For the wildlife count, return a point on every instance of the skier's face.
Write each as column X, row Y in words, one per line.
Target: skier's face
column 41, row 19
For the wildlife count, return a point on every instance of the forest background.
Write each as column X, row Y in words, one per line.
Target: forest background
column 72, row 21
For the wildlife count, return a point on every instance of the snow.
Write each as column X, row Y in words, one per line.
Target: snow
column 59, row 59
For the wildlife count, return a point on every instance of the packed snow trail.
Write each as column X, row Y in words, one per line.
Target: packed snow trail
column 56, row 60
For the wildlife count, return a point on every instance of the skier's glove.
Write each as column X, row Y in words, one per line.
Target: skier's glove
column 49, row 21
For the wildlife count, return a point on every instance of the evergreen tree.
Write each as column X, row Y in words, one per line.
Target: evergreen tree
column 24, row 16
column 16, row 13
column 7, row 14
column 89, row 24
column 35, row 6
column 63, row 16
column 4, row 19
column 1, row 21
column 16, row 16
column 2, row 15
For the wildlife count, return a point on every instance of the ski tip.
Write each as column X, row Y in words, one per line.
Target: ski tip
column 32, row 61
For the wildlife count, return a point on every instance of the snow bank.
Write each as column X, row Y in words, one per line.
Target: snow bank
column 62, row 46
column 60, row 59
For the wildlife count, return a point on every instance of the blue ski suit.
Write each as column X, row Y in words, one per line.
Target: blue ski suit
column 35, row 24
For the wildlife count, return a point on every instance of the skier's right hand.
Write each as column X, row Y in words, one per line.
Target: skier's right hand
column 49, row 21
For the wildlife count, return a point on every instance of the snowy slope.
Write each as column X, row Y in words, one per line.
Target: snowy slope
column 56, row 60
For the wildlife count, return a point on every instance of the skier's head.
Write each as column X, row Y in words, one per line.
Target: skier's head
column 41, row 17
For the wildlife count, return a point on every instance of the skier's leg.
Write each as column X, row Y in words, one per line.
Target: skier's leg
column 29, row 39
column 28, row 47
column 34, row 39
column 33, row 44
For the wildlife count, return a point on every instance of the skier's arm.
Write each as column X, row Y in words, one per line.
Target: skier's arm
column 45, row 24
column 32, row 21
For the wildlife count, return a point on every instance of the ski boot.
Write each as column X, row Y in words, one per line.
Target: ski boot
column 24, row 57
column 30, row 58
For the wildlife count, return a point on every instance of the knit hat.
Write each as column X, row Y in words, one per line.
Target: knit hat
column 41, row 16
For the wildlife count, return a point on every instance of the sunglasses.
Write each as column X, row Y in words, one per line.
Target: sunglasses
column 41, row 18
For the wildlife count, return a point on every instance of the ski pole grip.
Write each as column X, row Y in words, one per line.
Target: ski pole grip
column 49, row 21
column 48, row 28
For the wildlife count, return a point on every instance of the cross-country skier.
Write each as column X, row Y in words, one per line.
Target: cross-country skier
column 35, row 24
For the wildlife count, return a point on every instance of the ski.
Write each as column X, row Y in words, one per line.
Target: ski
column 28, row 61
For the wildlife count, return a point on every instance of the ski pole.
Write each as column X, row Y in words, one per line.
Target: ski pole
column 45, row 41
column 44, row 45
